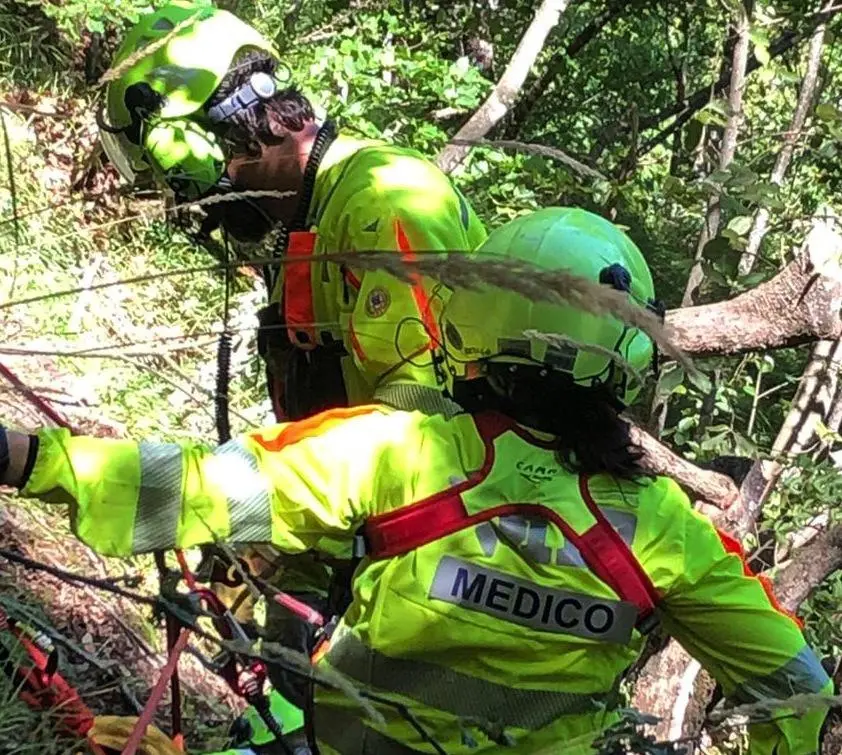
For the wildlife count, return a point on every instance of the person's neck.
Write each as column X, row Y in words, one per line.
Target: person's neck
column 284, row 165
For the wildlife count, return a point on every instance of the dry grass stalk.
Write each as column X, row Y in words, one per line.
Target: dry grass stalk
column 117, row 71
column 560, row 340
column 536, row 284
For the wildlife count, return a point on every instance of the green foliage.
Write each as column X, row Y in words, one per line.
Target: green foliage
column 74, row 18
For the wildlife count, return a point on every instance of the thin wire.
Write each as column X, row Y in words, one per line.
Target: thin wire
column 7, row 146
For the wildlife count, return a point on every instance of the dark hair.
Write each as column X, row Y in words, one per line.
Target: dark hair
column 269, row 120
column 591, row 437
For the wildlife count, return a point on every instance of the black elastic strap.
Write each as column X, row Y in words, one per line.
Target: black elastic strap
column 4, row 454
column 31, row 456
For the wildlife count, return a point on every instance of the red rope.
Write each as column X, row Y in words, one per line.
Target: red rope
column 188, row 575
column 157, row 694
column 41, row 404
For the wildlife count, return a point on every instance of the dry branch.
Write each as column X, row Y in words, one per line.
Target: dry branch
column 535, row 149
column 508, row 88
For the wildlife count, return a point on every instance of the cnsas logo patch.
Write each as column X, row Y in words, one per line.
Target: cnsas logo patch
column 521, row 602
column 536, row 472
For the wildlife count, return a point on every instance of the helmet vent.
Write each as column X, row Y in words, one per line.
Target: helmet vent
column 616, row 276
column 163, row 24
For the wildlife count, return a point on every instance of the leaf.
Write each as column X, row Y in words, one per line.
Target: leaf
column 95, row 25
column 745, row 446
column 709, row 115
column 670, row 380
column 752, row 279
column 701, row 381
column 716, row 249
column 761, row 52
column 740, row 225
column 720, row 176
column 827, row 112
column 685, row 423
column 734, row 239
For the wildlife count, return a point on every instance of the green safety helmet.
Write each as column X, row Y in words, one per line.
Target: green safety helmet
column 155, row 122
column 491, row 325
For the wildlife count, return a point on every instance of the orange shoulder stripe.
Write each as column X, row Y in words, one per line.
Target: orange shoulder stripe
column 422, row 301
column 733, row 546
column 311, row 427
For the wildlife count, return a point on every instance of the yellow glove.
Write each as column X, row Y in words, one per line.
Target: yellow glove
column 114, row 731
column 261, row 560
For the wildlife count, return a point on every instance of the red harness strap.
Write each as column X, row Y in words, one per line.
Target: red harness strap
column 603, row 550
column 299, row 312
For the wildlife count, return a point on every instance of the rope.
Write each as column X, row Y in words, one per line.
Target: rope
column 40, row 404
column 170, row 671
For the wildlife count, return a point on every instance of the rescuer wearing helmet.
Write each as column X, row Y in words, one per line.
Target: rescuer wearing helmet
column 202, row 106
column 516, row 553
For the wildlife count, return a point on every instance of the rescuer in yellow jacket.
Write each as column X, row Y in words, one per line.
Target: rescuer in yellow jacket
column 203, row 107
column 516, row 551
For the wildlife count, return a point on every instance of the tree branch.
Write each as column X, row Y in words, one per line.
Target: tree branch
column 710, row 227
column 810, row 566
column 535, row 149
column 805, row 101
column 508, row 88
column 526, row 104
column 711, row 487
column 801, row 304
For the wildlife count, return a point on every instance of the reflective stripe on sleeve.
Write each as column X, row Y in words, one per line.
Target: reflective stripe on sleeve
column 159, row 498
column 346, row 733
column 458, row 693
column 247, row 492
column 803, row 674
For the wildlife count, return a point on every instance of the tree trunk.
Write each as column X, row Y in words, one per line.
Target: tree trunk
column 509, row 86
column 811, row 565
column 799, row 305
column 526, row 104
column 666, row 675
column 728, row 147
column 806, row 98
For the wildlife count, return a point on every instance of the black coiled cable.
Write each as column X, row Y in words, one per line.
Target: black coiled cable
column 223, row 379
column 223, row 358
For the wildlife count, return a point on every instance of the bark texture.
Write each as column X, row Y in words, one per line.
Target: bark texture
column 811, row 565
column 799, row 305
column 707, row 486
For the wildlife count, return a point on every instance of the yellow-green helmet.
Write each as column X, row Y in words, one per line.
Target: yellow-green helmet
column 154, row 112
column 493, row 325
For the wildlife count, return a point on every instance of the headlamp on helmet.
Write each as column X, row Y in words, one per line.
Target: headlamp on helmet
column 156, row 123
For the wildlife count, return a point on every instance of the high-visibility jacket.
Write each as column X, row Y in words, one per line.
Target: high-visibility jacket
column 370, row 196
column 499, row 623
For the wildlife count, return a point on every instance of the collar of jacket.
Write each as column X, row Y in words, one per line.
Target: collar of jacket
column 332, row 168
